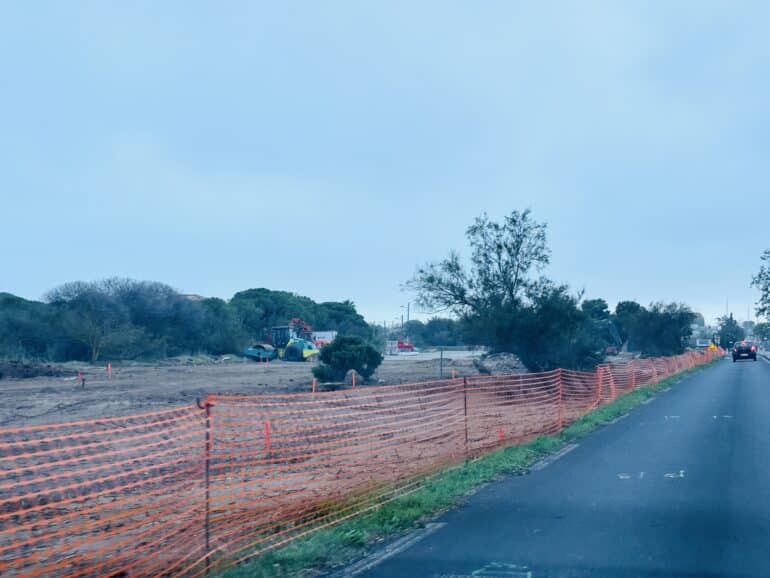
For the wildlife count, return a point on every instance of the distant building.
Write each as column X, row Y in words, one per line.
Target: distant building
column 326, row 336
column 194, row 297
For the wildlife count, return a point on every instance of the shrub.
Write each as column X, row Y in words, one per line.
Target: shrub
column 344, row 353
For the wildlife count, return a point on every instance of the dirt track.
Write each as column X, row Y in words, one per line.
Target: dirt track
column 136, row 387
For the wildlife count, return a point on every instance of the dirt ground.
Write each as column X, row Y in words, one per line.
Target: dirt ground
column 138, row 387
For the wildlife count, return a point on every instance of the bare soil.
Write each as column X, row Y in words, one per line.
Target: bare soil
column 137, row 387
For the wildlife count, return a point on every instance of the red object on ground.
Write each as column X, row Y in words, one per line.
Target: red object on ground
column 403, row 346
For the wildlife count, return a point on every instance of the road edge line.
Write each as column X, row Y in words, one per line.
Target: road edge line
column 547, row 461
column 388, row 551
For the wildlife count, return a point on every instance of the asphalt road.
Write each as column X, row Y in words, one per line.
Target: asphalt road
column 680, row 487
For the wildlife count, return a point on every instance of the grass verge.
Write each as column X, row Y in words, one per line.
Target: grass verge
column 340, row 544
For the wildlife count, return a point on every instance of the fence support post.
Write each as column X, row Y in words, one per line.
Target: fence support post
column 633, row 374
column 206, row 406
column 561, row 401
column 613, row 389
column 599, row 379
column 266, row 430
column 465, row 414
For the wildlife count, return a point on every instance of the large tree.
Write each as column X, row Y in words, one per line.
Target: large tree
column 26, row 328
column 503, row 257
column 661, row 329
column 504, row 304
column 729, row 331
column 89, row 316
column 259, row 310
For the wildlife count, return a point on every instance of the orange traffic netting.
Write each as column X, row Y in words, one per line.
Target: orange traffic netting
column 192, row 490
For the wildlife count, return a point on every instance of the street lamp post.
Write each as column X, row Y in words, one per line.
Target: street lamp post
column 402, row 318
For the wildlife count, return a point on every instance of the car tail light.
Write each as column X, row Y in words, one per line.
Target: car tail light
column 735, row 350
column 753, row 347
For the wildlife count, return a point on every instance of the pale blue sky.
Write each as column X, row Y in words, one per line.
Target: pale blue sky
column 221, row 146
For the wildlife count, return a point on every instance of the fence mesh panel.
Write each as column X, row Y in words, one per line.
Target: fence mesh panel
column 191, row 490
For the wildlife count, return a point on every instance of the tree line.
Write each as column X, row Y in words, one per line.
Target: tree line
column 503, row 301
column 497, row 298
column 127, row 319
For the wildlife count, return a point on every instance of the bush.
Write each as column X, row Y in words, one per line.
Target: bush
column 344, row 353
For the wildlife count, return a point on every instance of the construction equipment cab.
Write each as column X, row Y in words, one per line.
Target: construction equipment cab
column 294, row 341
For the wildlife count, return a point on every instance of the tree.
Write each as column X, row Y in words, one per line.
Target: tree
column 555, row 332
column 762, row 331
column 345, row 353
column 221, row 332
column 762, row 282
column 596, row 309
column 25, row 329
column 442, row 331
column 92, row 318
column 502, row 304
column 669, row 328
column 259, row 310
column 729, row 331
column 126, row 319
column 699, row 320
column 121, row 318
column 341, row 317
column 502, row 257
column 663, row 329
column 173, row 323
column 629, row 318
column 414, row 330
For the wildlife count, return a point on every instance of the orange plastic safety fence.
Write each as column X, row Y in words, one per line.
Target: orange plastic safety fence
column 97, row 497
column 188, row 491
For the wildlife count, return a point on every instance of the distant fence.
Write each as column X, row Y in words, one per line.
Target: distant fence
column 192, row 490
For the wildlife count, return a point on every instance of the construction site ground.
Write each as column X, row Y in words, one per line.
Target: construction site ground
column 138, row 387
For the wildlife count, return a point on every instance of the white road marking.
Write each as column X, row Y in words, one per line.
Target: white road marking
column 668, row 417
column 389, row 551
column 547, row 461
column 617, row 419
column 624, row 476
column 641, row 475
column 671, row 476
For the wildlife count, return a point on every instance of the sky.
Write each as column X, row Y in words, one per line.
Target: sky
column 328, row 148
